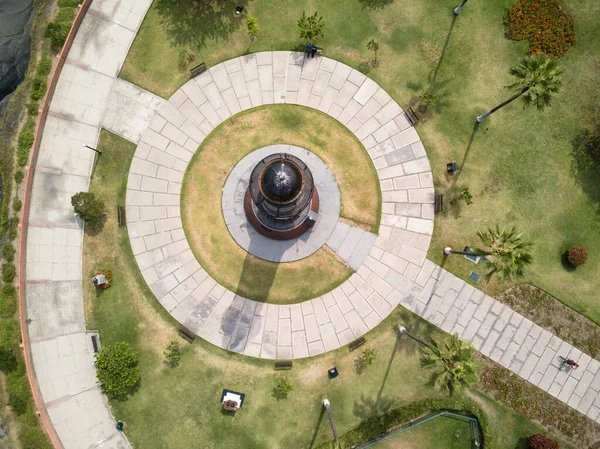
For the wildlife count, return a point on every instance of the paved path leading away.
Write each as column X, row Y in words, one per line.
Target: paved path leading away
column 322, row 324
column 61, row 349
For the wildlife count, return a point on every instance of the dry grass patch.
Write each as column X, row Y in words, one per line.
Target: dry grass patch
column 207, row 232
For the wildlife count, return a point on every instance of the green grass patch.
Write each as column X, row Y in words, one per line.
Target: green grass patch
column 202, row 215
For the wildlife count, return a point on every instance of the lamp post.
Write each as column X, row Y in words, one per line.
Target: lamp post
column 403, row 331
column 458, row 9
column 327, row 406
column 93, row 149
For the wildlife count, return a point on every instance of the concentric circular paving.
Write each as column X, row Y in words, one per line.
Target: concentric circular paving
column 387, row 266
column 280, row 250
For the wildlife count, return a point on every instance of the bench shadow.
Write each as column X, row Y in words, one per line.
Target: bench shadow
column 193, row 22
column 375, row 4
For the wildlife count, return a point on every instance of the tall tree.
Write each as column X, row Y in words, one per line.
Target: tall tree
column 454, row 362
column 311, row 27
column 537, row 79
column 505, row 251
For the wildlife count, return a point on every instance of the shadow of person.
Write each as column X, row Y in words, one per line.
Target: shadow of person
column 193, row 22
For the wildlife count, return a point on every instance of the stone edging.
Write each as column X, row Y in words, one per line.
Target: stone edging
column 385, row 273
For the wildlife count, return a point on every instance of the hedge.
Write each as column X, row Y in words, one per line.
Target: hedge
column 373, row 427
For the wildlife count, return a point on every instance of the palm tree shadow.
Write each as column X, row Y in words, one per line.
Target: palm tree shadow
column 433, row 75
column 193, row 22
column 369, row 407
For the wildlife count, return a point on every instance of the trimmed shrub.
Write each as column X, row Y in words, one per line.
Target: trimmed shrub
column 172, row 354
column 117, row 369
column 19, row 394
column 8, row 360
column 19, row 175
column 87, row 206
column 8, row 302
column 17, row 204
column 33, row 108
column 32, row 437
column 546, row 24
column 282, row 388
column 39, row 85
column 25, row 142
column 577, row 255
column 541, row 441
column 8, row 252
column 57, row 33
column 8, row 272
column 45, row 66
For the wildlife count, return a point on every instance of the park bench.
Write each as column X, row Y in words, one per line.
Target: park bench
column 411, row 116
column 283, row 364
column 438, row 203
column 121, row 215
column 95, row 343
column 197, row 70
column 187, row 334
column 356, row 343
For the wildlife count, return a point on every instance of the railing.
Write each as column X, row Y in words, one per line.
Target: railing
column 62, row 56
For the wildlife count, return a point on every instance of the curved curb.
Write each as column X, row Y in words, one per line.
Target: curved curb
column 386, row 265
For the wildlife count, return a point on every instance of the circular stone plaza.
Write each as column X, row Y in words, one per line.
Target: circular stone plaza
column 297, row 215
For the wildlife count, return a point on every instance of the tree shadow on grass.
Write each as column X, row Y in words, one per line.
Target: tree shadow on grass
column 193, row 22
column 95, row 227
column 375, row 4
column 369, row 406
column 433, row 75
column 584, row 172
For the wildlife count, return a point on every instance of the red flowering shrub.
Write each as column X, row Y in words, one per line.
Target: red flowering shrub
column 541, row 441
column 577, row 255
column 546, row 24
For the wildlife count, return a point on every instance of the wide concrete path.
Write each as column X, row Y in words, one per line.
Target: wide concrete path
column 272, row 331
column 61, row 349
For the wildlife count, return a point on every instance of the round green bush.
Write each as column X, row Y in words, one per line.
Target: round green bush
column 577, row 255
column 8, row 272
column 87, row 206
column 541, row 441
column 117, row 369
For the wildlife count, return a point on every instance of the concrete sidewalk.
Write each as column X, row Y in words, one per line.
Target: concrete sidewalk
column 61, row 349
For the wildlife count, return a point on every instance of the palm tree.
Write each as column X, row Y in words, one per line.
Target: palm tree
column 537, row 79
column 506, row 254
column 455, row 363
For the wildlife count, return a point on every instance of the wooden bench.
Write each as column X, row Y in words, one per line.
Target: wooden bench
column 187, row 334
column 197, row 70
column 438, row 203
column 356, row 343
column 121, row 215
column 411, row 116
column 283, row 364
column 95, row 343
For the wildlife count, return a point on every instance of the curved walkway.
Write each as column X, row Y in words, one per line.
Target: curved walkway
column 383, row 275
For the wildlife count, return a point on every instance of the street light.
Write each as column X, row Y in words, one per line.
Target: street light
column 458, row 9
column 403, row 331
column 93, row 149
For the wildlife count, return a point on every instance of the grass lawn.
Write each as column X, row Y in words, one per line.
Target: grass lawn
column 174, row 407
column 209, row 238
column 517, row 165
column 442, row 432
